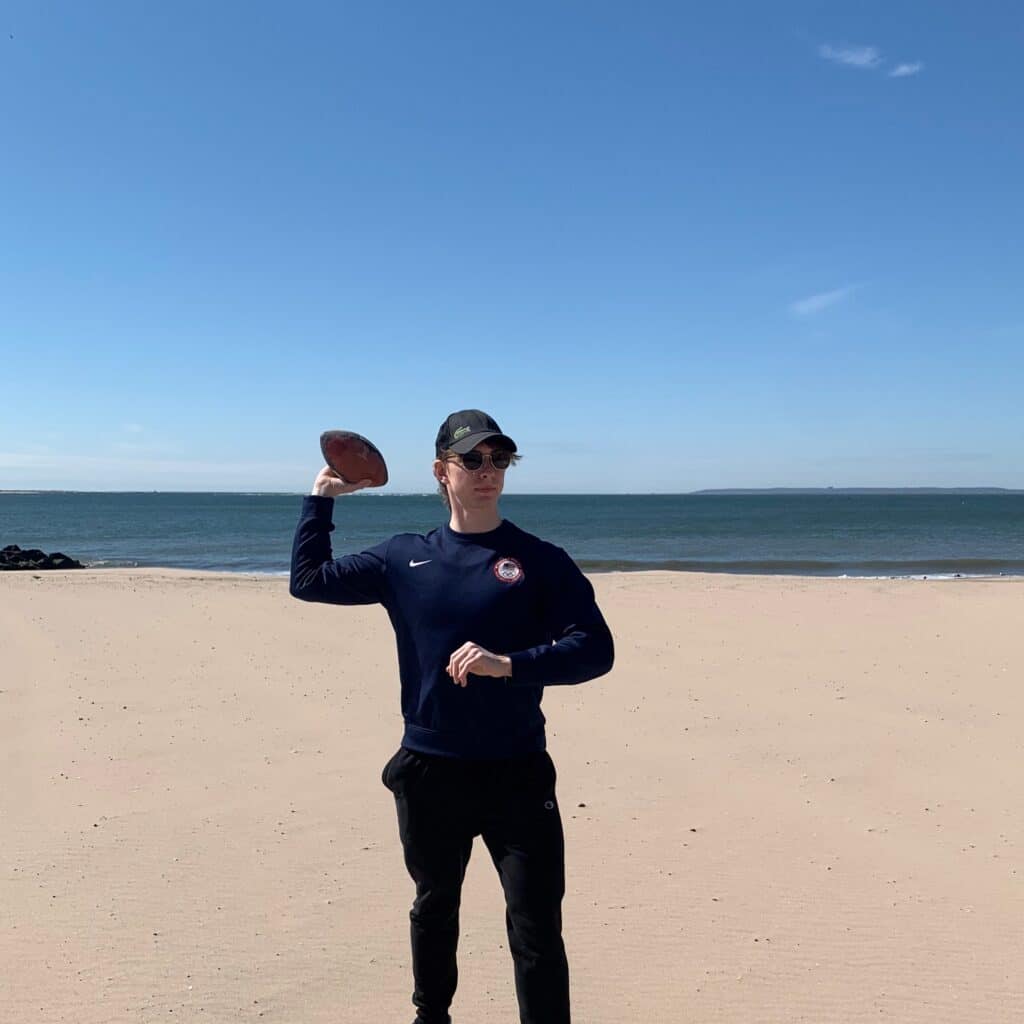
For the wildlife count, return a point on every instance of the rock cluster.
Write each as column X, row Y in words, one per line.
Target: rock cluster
column 12, row 557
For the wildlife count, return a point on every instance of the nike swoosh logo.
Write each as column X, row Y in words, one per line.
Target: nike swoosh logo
column 412, row 564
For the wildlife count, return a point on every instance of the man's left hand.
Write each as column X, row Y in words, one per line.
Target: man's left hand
column 473, row 658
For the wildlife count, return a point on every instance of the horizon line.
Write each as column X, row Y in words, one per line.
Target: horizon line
column 375, row 492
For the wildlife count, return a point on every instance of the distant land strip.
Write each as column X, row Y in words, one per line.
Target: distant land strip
column 859, row 490
column 714, row 491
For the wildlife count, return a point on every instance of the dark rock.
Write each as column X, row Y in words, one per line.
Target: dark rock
column 13, row 558
column 58, row 560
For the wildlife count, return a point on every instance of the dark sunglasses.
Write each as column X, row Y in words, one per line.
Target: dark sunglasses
column 474, row 460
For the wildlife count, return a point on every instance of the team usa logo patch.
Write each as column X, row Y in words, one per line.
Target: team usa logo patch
column 508, row 570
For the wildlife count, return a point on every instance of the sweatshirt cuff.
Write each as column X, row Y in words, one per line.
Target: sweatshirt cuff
column 524, row 668
column 317, row 507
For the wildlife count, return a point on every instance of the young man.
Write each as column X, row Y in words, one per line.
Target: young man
column 485, row 616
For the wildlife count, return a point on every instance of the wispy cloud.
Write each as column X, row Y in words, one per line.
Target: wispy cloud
column 36, row 460
column 130, row 472
column 161, row 449
column 911, row 456
column 816, row 303
column 865, row 57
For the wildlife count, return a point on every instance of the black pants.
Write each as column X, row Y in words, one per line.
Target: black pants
column 443, row 803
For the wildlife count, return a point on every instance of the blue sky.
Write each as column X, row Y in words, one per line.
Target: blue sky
column 668, row 246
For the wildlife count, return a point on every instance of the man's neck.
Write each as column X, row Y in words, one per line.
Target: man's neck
column 483, row 520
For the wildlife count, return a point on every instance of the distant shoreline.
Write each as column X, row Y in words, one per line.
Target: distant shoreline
column 808, row 491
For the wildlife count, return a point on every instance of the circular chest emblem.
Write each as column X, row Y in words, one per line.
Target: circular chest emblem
column 508, row 570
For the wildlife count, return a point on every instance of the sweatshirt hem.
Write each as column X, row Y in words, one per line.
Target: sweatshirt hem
column 483, row 748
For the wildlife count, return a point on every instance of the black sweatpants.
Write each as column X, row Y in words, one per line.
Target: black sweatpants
column 443, row 803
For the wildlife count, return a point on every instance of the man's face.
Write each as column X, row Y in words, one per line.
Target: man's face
column 475, row 489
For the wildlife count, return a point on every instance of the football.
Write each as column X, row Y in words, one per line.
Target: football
column 353, row 458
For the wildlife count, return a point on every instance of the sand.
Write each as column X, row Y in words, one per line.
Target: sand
column 792, row 800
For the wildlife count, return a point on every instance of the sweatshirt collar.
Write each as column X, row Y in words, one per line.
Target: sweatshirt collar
column 476, row 538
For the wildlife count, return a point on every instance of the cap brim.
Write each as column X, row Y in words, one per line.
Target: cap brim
column 470, row 441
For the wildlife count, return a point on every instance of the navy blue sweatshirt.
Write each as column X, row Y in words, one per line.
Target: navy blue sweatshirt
column 506, row 590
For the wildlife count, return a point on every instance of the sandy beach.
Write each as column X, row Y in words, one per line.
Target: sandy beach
column 793, row 799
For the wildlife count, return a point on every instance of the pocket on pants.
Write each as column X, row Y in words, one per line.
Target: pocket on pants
column 552, row 772
column 404, row 770
column 534, row 777
column 542, row 771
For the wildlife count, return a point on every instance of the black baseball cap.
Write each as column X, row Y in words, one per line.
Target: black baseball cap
column 463, row 431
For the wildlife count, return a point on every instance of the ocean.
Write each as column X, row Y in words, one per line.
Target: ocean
column 971, row 534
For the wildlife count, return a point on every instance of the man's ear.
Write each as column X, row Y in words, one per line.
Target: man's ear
column 440, row 473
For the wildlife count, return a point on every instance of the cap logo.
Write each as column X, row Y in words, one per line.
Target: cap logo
column 461, row 432
column 508, row 570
